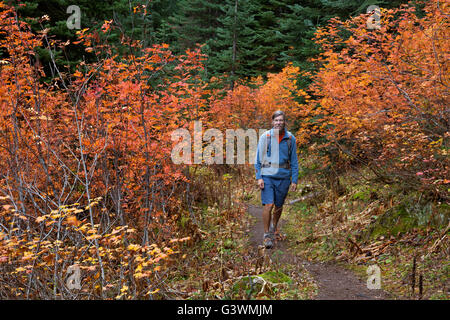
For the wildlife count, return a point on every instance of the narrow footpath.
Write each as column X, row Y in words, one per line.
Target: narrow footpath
column 334, row 282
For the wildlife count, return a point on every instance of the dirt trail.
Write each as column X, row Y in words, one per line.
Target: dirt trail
column 334, row 282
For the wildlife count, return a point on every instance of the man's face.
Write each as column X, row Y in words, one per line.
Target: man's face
column 278, row 123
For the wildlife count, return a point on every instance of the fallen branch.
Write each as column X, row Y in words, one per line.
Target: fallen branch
column 358, row 248
column 308, row 196
column 438, row 241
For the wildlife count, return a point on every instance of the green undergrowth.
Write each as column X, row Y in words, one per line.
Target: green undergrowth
column 372, row 223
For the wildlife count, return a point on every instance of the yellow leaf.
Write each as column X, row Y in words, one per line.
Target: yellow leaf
column 152, row 292
column 42, row 117
column 94, row 236
column 134, row 247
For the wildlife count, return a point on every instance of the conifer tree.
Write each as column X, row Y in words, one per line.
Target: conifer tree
column 195, row 22
column 231, row 51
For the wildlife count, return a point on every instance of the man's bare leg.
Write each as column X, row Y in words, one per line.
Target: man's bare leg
column 267, row 216
column 276, row 217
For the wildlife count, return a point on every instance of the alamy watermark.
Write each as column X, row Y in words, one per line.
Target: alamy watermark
column 373, row 22
column 74, row 21
column 374, row 279
column 213, row 152
column 74, row 280
column 208, row 147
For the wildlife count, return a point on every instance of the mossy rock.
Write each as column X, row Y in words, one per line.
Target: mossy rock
column 393, row 222
column 228, row 244
column 243, row 284
column 361, row 195
column 271, row 277
column 276, row 277
column 401, row 219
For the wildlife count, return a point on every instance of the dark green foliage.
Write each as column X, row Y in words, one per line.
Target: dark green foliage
column 266, row 33
column 150, row 28
column 243, row 38
column 231, row 52
column 195, row 22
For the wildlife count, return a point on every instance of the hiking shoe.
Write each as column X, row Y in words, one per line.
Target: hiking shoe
column 276, row 235
column 268, row 243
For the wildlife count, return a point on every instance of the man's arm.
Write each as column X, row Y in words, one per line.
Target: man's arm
column 258, row 163
column 294, row 161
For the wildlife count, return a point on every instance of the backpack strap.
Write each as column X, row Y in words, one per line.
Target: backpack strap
column 289, row 143
column 266, row 146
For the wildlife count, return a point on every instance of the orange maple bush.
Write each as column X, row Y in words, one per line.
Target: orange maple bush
column 86, row 173
column 279, row 93
column 380, row 98
column 251, row 105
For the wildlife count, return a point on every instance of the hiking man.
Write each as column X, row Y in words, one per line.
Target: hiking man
column 276, row 170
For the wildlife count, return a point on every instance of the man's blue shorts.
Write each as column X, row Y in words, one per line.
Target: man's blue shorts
column 274, row 191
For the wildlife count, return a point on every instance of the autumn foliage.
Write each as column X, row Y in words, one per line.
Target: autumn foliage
column 251, row 106
column 86, row 175
column 380, row 99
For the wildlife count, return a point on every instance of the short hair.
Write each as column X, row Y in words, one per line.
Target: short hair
column 278, row 113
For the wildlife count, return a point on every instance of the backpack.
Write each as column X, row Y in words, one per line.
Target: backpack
column 268, row 141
